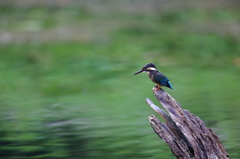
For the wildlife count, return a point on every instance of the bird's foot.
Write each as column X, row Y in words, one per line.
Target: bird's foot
column 157, row 88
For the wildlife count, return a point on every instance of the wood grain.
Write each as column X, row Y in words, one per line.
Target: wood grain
column 185, row 134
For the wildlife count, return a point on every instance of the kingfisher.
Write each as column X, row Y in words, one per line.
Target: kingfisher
column 155, row 76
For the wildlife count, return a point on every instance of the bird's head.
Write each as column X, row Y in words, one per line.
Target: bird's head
column 147, row 68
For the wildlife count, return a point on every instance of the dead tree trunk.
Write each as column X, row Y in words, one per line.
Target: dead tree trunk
column 186, row 135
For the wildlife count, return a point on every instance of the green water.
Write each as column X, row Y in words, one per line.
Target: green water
column 78, row 98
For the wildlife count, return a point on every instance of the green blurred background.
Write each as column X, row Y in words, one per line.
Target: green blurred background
column 67, row 88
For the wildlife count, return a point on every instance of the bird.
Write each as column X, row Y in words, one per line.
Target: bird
column 155, row 76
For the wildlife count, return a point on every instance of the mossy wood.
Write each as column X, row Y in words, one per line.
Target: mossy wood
column 186, row 135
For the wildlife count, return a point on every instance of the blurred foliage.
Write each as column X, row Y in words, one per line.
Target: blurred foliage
column 68, row 90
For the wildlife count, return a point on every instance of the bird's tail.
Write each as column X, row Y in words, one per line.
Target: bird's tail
column 169, row 85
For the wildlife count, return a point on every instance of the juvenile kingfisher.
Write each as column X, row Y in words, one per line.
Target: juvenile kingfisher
column 155, row 76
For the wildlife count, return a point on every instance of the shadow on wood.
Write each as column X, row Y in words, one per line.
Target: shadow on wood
column 186, row 135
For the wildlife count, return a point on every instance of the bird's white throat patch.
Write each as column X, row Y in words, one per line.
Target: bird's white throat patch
column 151, row 68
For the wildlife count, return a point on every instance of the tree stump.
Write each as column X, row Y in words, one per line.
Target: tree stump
column 186, row 135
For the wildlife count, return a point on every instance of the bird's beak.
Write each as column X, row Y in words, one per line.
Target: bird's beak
column 138, row 72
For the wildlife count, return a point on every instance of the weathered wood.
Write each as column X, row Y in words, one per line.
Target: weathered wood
column 186, row 135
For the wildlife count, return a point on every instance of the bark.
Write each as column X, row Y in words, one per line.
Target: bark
column 185, row 134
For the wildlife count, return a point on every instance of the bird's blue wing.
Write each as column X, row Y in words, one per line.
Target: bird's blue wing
column 163, row 80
